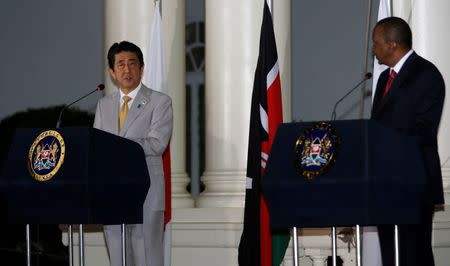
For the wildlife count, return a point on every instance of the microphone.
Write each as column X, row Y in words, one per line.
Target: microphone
column 99, row 87
column 367, row 76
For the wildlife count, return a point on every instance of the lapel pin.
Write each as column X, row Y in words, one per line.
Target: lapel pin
column 144, row 102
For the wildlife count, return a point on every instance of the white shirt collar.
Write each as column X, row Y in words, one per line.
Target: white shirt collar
column 132, row 94
column 400, row 63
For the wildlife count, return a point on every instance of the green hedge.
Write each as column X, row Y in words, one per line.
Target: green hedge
column 39, row 118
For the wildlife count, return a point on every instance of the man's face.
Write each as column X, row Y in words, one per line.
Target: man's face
column 382, row 48
column 127, row 71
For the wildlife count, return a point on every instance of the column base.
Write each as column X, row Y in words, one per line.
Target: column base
column 446, row 181
column 180, row 197
column 223, row 189
column 203, row 236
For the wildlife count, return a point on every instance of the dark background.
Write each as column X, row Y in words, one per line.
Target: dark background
column 328, row 57
column 52, row 53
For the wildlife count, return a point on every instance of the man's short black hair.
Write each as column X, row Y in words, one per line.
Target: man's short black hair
column 397, row 30
column 124, row 46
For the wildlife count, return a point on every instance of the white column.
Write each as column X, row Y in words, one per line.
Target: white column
column 131, row 20
column 281, row 15
column 173, row 22
column 126, row 20
column 429, row 22
column 232, row 44
column 232, row 40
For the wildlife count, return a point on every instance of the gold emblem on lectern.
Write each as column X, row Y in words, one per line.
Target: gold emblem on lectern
column 46, row 155
column 316, row 150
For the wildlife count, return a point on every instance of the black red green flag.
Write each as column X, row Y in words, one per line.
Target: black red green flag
column 255, row 247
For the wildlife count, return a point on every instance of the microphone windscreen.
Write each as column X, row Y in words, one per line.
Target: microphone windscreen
column 368, row 75
column 100, row 87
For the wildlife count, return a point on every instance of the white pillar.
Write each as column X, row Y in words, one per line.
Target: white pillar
column 173, row 23
column 231, row 39
column 429, row 23
column 282, row 26
column 126, row 20
column 232, row 44
column 131, row 20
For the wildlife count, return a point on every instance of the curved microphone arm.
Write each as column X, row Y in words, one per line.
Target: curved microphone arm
column 100, row 87
column 367, row 76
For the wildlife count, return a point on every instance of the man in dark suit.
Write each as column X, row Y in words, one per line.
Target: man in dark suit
column 409, row 98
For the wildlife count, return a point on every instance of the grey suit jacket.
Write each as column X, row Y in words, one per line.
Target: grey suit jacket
column 149, row 123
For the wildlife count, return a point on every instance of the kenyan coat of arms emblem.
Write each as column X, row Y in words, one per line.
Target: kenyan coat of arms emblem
column 316, row 150
column 46, row 155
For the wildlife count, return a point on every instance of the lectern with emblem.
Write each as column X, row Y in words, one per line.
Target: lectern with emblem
column 74, row 176
column 342, row 173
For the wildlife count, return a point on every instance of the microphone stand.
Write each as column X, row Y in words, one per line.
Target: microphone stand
column 98, row 88
column 69, row 226
column 333, row 114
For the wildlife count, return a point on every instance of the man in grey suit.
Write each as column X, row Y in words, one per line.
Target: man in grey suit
column 143, row 115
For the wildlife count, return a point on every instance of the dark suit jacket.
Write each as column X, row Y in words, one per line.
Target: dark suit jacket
column 413, row 106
